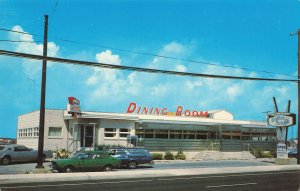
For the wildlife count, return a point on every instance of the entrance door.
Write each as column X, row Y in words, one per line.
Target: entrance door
column 87, row 136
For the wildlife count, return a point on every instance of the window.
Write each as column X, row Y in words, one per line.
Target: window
column 140, row 133
column 201, row 134
column 189, row 134
column 149, row 133
column 124, row 133
column 120, row 152
column 226, row 135
column 236, row 135
column 99, row 156
column 28, row 132
column 255, row 137
column 212, row 135
column 175, row 134
column 161, row 134
column 20, row 148
column 246, row 136
column 55, row 132
column 36, row 132
column 110, row 132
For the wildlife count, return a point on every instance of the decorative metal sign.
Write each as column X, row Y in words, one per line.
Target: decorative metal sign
column 74, row 105
column 281, row 134
column 282, row 119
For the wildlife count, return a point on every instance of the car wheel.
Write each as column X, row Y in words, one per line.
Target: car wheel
column 6, row 160
column 68, row 169
column 108, row 168
column 132, row 165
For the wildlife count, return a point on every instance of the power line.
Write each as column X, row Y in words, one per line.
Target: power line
column 20, row 32
column 157, row 55
column 137, row 69
column 173, row 58
column 55, row 6
column 19, row 41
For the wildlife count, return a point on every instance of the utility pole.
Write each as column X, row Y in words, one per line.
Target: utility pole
column 298, row 145
column 43, row 93
column 288, row 110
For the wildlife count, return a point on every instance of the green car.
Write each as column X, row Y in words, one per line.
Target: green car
column 86, row 161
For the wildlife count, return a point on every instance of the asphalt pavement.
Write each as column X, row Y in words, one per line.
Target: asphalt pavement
column 161, row 169
column 259, row 181
column 22, row 168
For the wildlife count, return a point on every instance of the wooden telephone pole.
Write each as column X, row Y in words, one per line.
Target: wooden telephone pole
column 298, row 144
column 43, row 97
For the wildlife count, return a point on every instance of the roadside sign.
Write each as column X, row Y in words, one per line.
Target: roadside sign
column 281, row 134
column 282, row 119
column 281, row 151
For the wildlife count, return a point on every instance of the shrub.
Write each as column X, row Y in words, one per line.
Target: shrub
column 180, row 156
column 264, row 154
column 157, row 156
column 169, row 156
column 61, row 154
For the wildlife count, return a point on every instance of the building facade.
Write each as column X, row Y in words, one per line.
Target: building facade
column 214, row 130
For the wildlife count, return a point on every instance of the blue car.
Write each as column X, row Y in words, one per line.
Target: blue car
column 132, row 157
column 293, row 153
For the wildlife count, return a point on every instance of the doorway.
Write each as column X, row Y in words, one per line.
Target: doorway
column 87, row 138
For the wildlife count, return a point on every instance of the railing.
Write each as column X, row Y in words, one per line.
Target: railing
column 211, row 146
column 250, row 147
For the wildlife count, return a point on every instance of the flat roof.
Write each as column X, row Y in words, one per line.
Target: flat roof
column 167, row 119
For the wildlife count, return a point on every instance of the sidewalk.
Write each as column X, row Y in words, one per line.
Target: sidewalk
column 84, row 176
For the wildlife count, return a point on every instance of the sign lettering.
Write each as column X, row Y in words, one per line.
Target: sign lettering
column 133, row 108
column 282, row 119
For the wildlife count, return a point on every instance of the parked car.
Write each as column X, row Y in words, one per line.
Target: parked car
column 292, row 153
column 86, row 161
column 132, row 157
column 19, row 153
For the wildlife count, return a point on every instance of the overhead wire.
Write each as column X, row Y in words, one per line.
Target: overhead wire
column 20, row 32
column 137, row 69
column 155, row 55
column 55, row 6
column 173, row 58
column 20, row 41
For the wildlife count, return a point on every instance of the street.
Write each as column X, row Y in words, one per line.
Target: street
column 27, row 167
column 284, row 180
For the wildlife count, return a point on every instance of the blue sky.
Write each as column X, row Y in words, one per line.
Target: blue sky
column 242, row 33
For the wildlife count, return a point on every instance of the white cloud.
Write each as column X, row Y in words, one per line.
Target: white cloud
column 173, row 48
column 234, row 90
column 31, row 68
column 106, row 83
column 108, row 58
column 180, row 68
column 237, row 96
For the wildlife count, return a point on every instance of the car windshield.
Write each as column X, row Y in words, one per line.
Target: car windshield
column 80, row 155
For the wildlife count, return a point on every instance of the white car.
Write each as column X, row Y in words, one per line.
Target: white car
column 19, row 153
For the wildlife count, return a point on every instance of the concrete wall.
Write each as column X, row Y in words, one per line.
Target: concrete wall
column 53, row 118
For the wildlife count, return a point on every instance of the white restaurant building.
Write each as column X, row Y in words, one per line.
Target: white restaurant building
column 159, row 130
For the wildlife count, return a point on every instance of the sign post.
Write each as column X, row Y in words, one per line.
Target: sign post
column 74, row 107
column 281, row 120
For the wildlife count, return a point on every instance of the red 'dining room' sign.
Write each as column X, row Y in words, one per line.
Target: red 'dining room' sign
column 180, row 111
column 74, row 105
